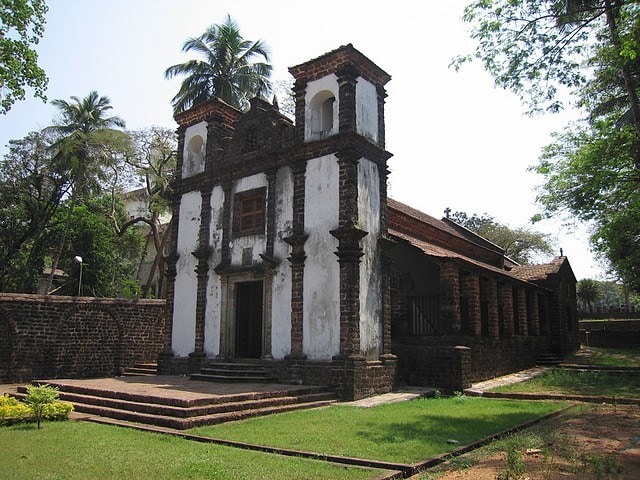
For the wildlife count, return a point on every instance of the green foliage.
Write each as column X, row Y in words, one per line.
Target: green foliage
column 513, row 466
column 21, row 26
column 12, row 409
column 227, row 71
column 38, row 398
column 589, row 48
column 32, row 185
column 520, row 244
column 109, row 260
column 588, row 291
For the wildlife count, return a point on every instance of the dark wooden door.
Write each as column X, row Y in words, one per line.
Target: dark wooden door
column 248, row 319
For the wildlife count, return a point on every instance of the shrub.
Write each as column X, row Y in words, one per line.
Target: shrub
column 12, row 410
column 57, row 410
column 38, row 397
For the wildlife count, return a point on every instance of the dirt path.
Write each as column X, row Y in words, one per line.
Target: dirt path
column 602, row 442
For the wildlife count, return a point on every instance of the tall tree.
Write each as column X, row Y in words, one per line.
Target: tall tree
column 32, row 186
column 590, row 49
column 90, row 141
column 21, row 26
column 154, row 160
column 520, row 244
column 228, row 70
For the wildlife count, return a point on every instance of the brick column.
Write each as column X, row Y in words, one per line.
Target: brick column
column 505, row 298
column 492, row 298
column 535, row 316
column 271, row 211
column 227, row 227
column 347, row 79
column 386, row 245
column 349, row 253
column 299, row 92
column 450, row 297
column 471, row 289
column 297, row 258
column 522, row 311
column 382, row 94
column 202, row 253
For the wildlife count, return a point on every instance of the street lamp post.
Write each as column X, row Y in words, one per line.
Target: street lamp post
column 78, row 259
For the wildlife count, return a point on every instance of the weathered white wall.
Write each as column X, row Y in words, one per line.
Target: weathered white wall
column 257, row 243
column 213, row 313
column 193, row 161
column 186, row 283
column 328, row 83
column 321, row 273
column 367, row 109
column 281, row 290
column 370, row 273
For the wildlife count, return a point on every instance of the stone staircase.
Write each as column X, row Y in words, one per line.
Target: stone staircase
column 549, row 359
column 145, row 369
column 181, row 413
column 234, row 373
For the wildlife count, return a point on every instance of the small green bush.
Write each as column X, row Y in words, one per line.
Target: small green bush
column 13, row 410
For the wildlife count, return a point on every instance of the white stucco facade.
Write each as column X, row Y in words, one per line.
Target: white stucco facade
column 281, row 288
column 367, row 109
column 186, row 283
column 213, row 312
column 321, row 322
column 370, row 273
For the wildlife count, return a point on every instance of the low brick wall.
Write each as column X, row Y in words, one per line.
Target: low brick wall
column 57, row 337
column 454, row 363
column 352, row 379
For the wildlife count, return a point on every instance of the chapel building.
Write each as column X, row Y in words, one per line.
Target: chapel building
column 288, row 254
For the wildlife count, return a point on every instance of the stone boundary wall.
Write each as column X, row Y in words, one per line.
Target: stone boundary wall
column 44, row 337
column 610, row 334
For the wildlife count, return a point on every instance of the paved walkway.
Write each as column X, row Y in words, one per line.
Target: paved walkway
column 479, row 388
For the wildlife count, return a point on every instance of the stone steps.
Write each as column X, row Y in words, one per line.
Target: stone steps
column 182, row 414
column 549, row 360
column 234, row 373
column 145, row 369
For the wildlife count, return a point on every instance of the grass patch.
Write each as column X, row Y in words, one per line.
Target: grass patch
column 606, row 357
column 79, row 450
column 404, row 432
column 570, row 382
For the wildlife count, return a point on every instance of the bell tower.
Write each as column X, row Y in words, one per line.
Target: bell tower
column 340, row 121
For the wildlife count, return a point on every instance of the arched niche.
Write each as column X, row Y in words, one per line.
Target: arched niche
column 193, row 156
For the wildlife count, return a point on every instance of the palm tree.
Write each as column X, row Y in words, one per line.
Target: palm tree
column 88, row 138
column 588, row 292
column 227, row 71
column 89, row 141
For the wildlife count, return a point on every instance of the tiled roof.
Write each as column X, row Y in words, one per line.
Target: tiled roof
column 440, row 252
column 539, row 272
column 421, row 216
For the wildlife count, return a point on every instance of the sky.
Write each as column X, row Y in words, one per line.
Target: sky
column 457, row 141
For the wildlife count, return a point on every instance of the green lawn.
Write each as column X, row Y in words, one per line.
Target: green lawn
column 571, row 382
column 606, row 357
column 405, row 432
column 80, row 450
